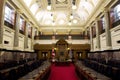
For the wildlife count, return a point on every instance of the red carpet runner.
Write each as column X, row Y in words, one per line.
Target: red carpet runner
column 63, row 73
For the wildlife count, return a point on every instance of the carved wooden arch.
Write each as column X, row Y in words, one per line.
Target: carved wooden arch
column 62, row 42
column 61, row 52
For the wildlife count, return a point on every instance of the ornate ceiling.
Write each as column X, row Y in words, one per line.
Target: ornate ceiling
column 61, row 16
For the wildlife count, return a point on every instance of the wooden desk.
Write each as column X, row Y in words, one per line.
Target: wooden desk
column 37, row 74
column 88, row 73
column 7, row 70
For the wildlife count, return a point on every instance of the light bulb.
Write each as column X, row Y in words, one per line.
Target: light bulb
column 48, row 7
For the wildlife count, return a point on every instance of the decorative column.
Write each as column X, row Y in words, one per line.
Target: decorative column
column 74, row 53
column 85, row 35
column 107, row 30
column 32, row 39
column 97, row 35
column 2, row 13
column 48, row 56
column 39, row 55
column 91, row 39
column 16, row 36
column 37, row 36
column 26, row 37
column 84, row 54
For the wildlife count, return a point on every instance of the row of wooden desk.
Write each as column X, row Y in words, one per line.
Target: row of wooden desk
column 14, row 73
column 7, row 70
column 89, row 74
column 108, row 70
column 39, row 73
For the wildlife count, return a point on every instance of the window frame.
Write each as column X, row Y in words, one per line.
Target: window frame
column 23, row 25
column 9, row 16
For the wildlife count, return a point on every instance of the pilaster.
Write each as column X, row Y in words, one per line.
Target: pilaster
column 107, row 30
column 2, row 13
column 26, row 37
column 17, row 25
column 97, row 35
column 32, row 39
column 91, row 39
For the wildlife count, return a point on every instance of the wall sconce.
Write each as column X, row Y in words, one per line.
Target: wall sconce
column 68, row 48
column 54, row 48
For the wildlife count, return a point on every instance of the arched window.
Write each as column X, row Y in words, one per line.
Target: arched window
column 115, row 15
column 9, row 16
column 117, row 12
column 29, row 30
column 103, row 23
column 22, row 25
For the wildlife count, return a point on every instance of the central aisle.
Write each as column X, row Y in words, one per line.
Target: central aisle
column 63, row 72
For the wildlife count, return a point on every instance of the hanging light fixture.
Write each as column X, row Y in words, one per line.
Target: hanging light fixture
column 69, row 23
column 49, row 5
column 53, row 23
column 74, row 7
column 71, row 16
column 73, row 4
column 75, row 21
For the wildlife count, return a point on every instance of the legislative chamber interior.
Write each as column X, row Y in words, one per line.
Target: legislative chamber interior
column 59, row 39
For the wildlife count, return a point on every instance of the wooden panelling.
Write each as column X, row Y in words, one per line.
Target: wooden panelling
column 72, row 46
column 43, row 46
column 80, row 46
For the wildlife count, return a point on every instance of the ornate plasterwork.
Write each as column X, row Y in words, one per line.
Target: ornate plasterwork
column 61, row 1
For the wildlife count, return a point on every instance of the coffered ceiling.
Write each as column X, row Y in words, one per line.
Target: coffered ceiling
column 61, row 16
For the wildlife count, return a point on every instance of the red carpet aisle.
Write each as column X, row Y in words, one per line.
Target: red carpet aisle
column 63, row 73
